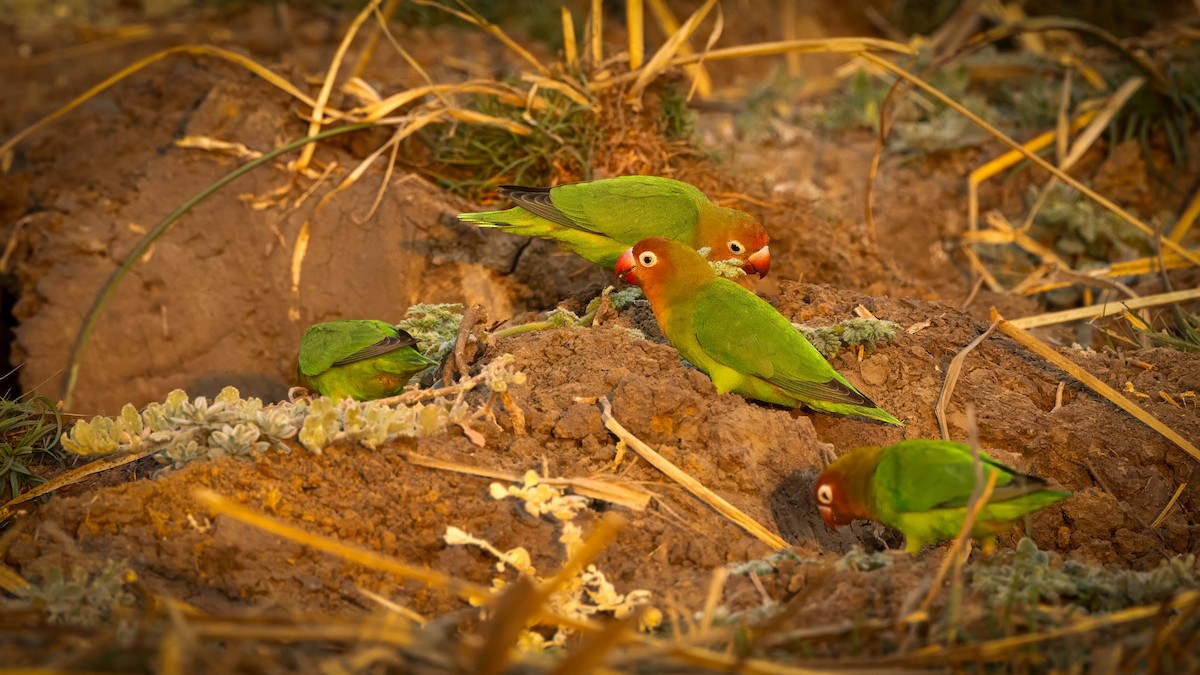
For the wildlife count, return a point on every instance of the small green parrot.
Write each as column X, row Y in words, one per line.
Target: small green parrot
column 922, row 489
column 360, row 359
column 598, row 220
column 737, row 338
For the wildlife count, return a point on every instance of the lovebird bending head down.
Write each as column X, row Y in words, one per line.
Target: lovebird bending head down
column 599, row 219
column 359, row 359
column 736, row 337
column 922, row 488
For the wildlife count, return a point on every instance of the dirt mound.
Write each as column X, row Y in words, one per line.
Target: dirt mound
column 761, row 458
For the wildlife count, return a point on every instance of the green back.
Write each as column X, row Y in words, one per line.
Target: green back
column 630, row 208
column 325, row 345
column 737, row 328
column 922, row 475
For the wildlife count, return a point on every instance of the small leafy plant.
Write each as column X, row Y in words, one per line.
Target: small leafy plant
column 29, row 430
column 864, row 333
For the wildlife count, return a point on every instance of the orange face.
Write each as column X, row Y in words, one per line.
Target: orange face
column 648, row 262
column 748, row 244
column 832, row 500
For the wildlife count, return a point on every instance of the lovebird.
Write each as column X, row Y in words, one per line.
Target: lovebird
column 738, row 339
column 922, row 488
column 599, row 219
column 359, row 359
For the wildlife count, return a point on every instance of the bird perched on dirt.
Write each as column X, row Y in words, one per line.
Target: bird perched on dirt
column 736, row 337
column 599, row 219
column 922, row 488
column 359, row 359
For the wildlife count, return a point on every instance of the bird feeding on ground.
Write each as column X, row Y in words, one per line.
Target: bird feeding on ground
column 360, row 359
column 923, row 488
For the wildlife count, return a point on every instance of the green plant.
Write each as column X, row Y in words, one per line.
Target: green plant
column 181, row 430
column 479, row 158
column 1186, row 333
column 434, row 326
column 1032, row 576
column 864, row 333
column 678, row 121
column 85, row 598
column 29, row 430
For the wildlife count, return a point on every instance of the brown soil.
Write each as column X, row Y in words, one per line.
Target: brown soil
column 210, row 307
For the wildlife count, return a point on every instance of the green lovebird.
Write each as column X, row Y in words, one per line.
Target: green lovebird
column 736, row 337
column 922, row 489
column 359, row 359
column 598, row 220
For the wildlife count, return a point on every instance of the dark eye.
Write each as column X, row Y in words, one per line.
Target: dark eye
column 825, row 494
column 736, row 246
column 648, row 259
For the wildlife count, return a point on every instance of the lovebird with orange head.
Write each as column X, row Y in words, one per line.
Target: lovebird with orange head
column 922, row 488
column 599, row 219
column 738, row 339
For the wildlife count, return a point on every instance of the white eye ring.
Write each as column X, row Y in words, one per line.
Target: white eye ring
column 736, row 246
column 648, row 259
column 825, row 494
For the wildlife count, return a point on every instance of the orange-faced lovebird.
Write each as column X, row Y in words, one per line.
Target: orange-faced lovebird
column 922, row 488
column 737, row 338
column 599, row 219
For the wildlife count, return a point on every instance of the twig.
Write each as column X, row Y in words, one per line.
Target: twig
column 952, row 372
column 462, row 386
column 1104, row 309
column 470, row 318
column 76, row 475
column 432, row 578
column 318, row 112
column 959, row 544
column 625, row 494
column 1167, row 509
column 690, row 484
column 991, row 650
column 536, row 326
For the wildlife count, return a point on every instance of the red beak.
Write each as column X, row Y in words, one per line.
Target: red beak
column 626, row 268
column 759, row 262
column 827, row 516
column 832, row 520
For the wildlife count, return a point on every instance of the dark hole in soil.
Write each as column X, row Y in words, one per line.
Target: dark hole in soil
column 10, row 385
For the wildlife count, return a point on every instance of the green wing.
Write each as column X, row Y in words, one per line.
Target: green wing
column 627, row 209
column 922, row 475
column 737, row 328
column 336, row 343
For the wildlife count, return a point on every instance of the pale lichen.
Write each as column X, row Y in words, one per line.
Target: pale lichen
column 1032, row 576
column 433, row 326
column 84, row 598
column 181, row 429
column 587, row 594
column 728, row 269
column 865, row 333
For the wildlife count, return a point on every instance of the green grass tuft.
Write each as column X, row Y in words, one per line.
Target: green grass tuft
column 29, row 431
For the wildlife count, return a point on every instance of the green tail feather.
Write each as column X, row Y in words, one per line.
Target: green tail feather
column 514, row 217
column 1013, row 509
column 874, row 413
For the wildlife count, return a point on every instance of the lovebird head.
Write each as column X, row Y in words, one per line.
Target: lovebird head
column 744, row 239
column 661, row 265
column 842, row 488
